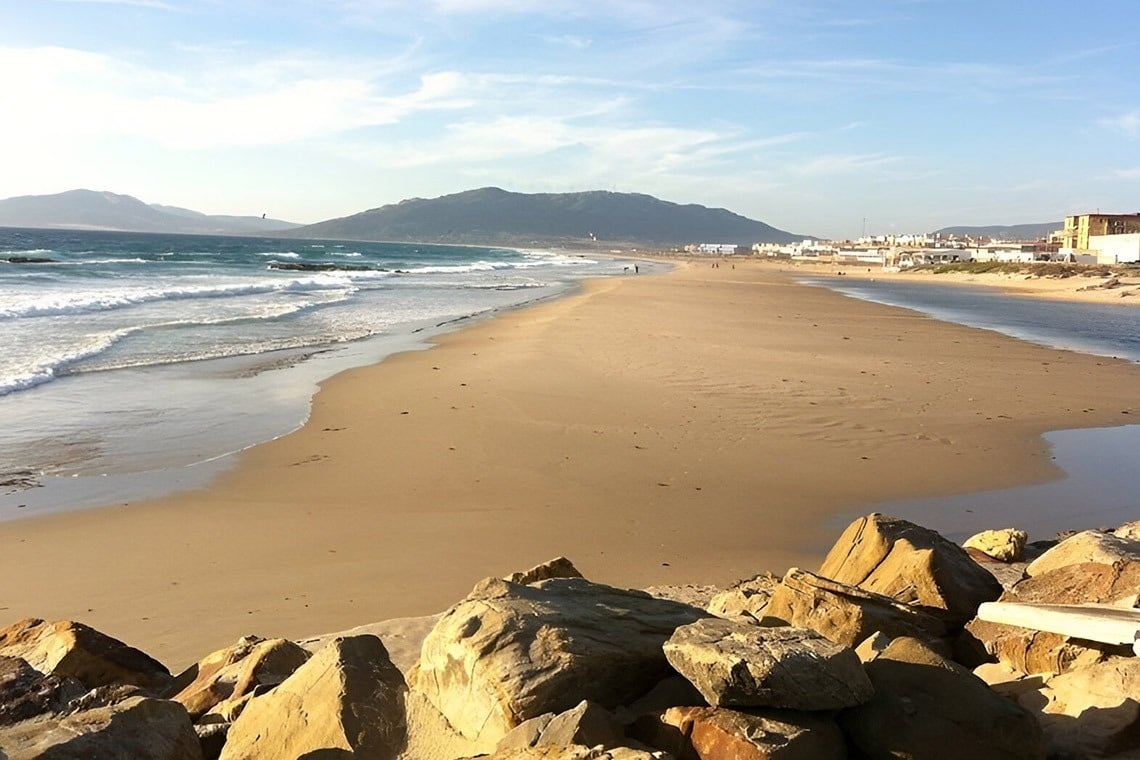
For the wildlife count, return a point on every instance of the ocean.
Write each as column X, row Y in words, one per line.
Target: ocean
column 133, row 364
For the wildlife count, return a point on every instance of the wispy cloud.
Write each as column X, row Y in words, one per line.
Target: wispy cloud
column 843, row 164
column 1127, row 173
column 159, row 4
column 1127, row 124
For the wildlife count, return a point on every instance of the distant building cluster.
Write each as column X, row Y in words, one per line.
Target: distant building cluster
column 1085, row 239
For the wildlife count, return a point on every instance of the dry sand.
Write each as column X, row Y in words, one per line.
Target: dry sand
column 695, row 427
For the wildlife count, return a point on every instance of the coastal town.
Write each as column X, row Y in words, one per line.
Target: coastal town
column 1103, row 239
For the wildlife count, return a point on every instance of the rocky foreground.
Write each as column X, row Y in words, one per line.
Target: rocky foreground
column 879, row 655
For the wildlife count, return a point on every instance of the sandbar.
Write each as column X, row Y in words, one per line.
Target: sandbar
column 699, row 426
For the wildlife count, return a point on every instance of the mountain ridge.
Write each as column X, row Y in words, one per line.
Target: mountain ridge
column 102, row 210
column 1004, row 231
column 493, row 216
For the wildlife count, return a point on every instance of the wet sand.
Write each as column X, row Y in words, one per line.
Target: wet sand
column 695, row 427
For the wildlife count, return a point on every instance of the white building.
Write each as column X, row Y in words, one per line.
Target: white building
column 1116, row 249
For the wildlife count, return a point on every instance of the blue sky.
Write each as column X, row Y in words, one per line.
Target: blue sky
column 811, row 115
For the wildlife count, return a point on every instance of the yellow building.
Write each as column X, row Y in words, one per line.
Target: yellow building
column 1078, row 229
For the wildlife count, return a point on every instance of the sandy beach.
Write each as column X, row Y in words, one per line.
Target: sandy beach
column 694, row 427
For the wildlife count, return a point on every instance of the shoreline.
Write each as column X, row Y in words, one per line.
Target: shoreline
column 696, row 426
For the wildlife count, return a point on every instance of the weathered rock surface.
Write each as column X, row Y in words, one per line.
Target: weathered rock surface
column 1129, row 530
column 233, row 672
column 1005, row 545
column 911, row 564
column 575, row 752
column 26, row 692
column 928, row 708
column 138, row 728
column 588, row 724
column 716, row 733
column 1091, row 712
column 1086, row 546
column 508, row 652
column 735, row 664
column 72, row 649
column 402, row 637
column 559, row 567
column 846, row 614
column 348, row 697
column 747, row 598
column 525, row 734
column 1039, row 651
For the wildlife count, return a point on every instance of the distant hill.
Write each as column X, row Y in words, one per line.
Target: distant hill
column 492, row 216
column 1005, row 232
column 93, row 210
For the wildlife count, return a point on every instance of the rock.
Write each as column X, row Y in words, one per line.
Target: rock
column 748, row 597
column 588, row 724
column 508, row 652
column 576, row 752
column 26, row 692
column 1008, row 574
column 911, row 564
column 1129, row 530
column 1005, row 545
column 717, row 733
column 927, row 707
column 1033, row 651
column 872, row 646
column 1091, row 712
column 693, row 594
column 233, row 672
column 734, row 664
column 559, row 567
column 525, row 734
column 846, row 614
column 138, row 728
column 673, row 691
column 211, row 738
column 1086, row 546
column 402, row 637
column 76, row 650
column 347, row 697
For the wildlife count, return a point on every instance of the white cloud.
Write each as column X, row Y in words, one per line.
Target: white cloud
column 1127, row 124
column 1127, row 173
column 843, row 164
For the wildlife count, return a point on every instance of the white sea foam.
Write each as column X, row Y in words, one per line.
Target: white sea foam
column 58, row 303
column 280, row 254
column 29, row 372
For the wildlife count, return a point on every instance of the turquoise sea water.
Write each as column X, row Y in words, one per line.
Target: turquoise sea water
column 128, row 357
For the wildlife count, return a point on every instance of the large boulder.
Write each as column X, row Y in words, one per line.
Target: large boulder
column 73, row 649
column 911, row 564
column 1087, row 546
column 717, row 733
column 1004, row 545
column 586, row 724
column 137, row 728
column 930, row 708
column 559, row 567
column 26, row 692
column 1031, row 651
column 735, row 664
column 508, row 652
column 1090, row 712
column 748, row 598
column 347, row 700
column 233, row 672
column 845, row 614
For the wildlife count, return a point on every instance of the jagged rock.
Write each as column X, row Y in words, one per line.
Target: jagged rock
column 26, row 692
column 233, row 672
column 587, row 724
column 347, row 697
column 748, row 597
column 73, row 649
column 734, row 664
column 1086, row 546
column 576, row 752
column 717, row 733
column 1033, row 651
column 559, row 567
column 1091, row 712
column 673, row 691
column 693, row 594
column 911, row 564
column 1004, row 545
column 930, row 708
column 525, row 734
column 846, row 614
column 402, row 637
column 508, row 652
column 1008, row 574
column 138, row 728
